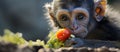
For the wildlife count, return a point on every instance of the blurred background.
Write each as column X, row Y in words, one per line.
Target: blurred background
column 27, row 17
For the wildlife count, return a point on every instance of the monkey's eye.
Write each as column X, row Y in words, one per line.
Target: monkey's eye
column 80, row 16
column 63, row 17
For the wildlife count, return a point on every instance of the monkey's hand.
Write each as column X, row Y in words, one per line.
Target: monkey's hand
column 74, row 42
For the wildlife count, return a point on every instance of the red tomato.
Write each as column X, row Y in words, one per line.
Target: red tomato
column 63, row 34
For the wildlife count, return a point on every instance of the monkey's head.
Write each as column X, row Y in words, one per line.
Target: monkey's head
column 79, row 16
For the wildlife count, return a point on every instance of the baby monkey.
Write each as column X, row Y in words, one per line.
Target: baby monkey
column 89, row 19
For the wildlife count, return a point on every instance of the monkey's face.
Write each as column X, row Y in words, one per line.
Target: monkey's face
column 74, row 15
column 76, row 20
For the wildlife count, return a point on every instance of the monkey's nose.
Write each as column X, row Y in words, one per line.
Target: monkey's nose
column 74, row 27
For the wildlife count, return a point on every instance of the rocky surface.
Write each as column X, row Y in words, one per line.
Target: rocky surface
column 89, row 46
column 81, row 49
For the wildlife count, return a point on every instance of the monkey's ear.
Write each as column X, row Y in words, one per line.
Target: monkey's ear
column 100, row 7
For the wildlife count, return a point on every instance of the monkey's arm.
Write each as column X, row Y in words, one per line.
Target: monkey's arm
column 74, row 42
column 91, row 43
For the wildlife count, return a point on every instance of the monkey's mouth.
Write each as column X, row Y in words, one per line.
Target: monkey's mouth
column 80, row 34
